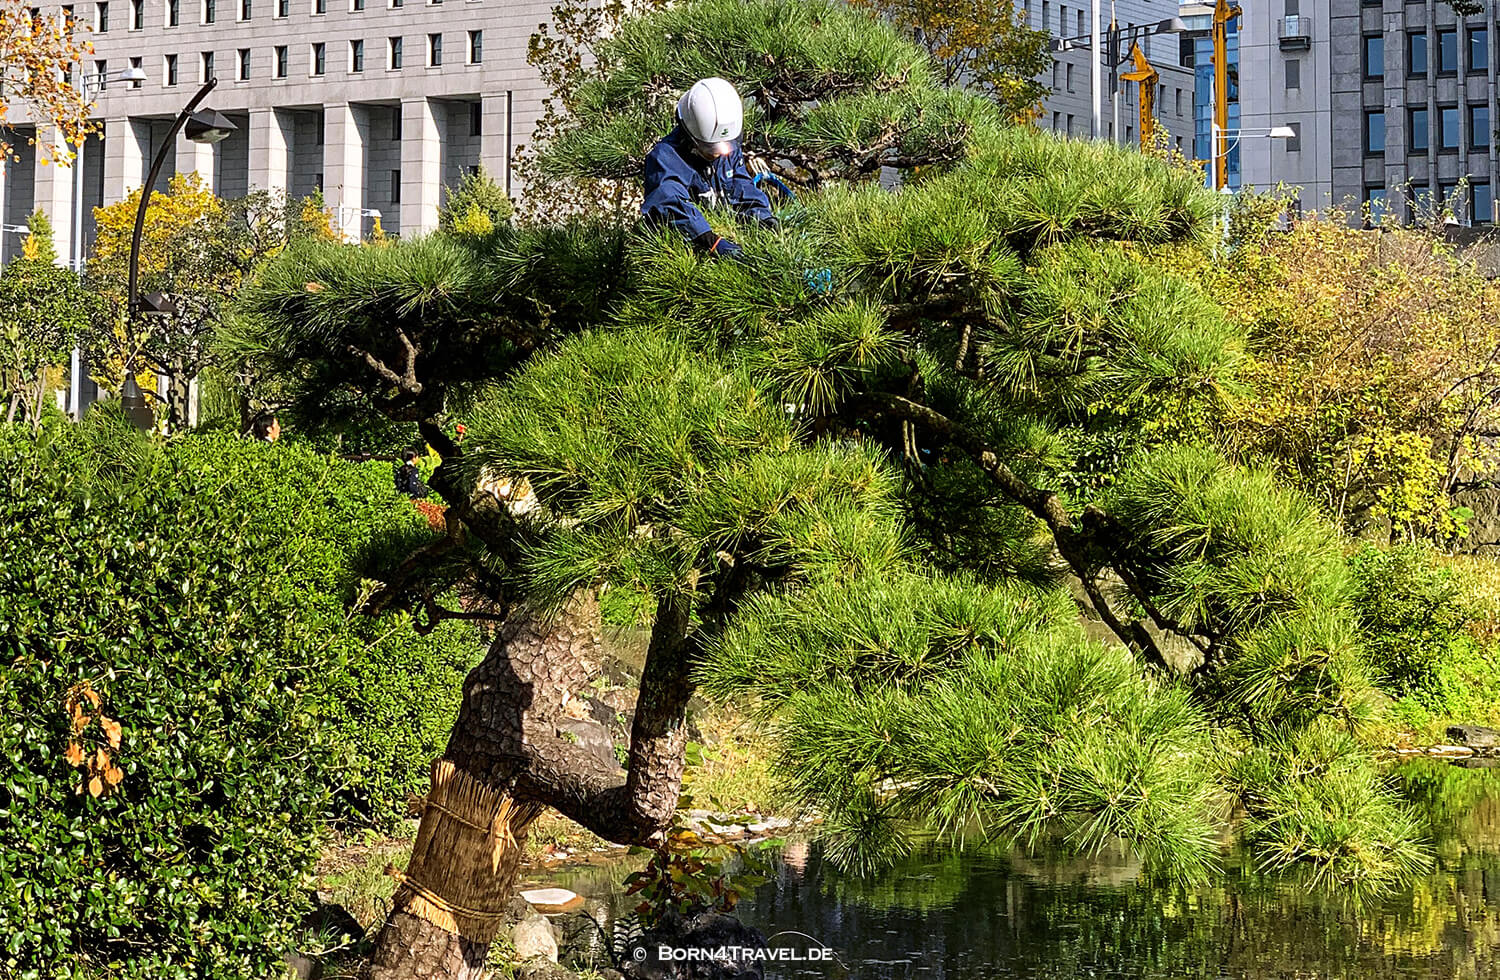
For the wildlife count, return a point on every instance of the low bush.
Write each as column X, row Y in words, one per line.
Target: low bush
column 186, row 700
column 1414, row 615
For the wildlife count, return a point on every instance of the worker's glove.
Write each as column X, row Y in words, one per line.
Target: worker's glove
column 721, row 247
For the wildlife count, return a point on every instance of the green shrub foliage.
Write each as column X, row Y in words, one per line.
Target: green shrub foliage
column 1413, row 613
column 197, row 592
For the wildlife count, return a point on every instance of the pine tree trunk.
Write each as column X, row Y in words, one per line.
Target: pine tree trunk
column 501, row 768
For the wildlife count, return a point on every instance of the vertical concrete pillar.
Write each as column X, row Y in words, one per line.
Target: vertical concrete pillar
column 345, row 130
column 495, row 138
column 124, row 157
column 270, row 139
column 423, row 126
column 54, row 190
column 198, row 158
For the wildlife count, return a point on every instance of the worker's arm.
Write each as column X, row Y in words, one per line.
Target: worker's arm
column 747, row 199
column 669, row 196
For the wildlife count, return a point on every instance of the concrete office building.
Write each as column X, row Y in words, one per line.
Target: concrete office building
column 1392, row 102
column 1413, row 97
column 1069, row 109
column 381, row 103
column 1280, row 57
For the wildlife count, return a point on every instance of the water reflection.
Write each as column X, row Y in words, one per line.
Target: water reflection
column 987, row 914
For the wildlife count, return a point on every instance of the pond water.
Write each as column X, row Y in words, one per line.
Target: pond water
column 986, row 913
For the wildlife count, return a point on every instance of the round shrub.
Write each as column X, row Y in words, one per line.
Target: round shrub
column 1414, row 612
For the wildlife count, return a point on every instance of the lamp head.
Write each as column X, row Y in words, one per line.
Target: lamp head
column 1172, row 25
column 133, row 74
column 209, row 126
column 1282, row 133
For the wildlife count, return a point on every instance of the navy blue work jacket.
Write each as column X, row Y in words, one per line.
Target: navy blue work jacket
column 678, row 181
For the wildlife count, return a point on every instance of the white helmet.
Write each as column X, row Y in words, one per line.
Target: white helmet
column 712, row 114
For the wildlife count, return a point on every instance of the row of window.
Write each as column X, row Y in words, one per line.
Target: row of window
column 244, row 63
column 1417, row 59
column 1476, row 204
column 209, row 10
column 1448, row 134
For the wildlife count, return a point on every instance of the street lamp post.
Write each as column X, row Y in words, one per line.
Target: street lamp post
column 355, row 213
column 1230, row 138
column 202, row 127
column 1109, row 49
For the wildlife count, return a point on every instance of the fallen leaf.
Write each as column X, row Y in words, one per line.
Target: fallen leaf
column 111, row 731
column 95, row 787
column 74, row 755
column 113, row 775
column 101, row 759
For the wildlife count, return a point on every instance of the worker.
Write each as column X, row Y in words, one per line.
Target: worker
column 700, row 162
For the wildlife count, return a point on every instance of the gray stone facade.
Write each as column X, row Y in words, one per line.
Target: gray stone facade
column 1069, row 109
column 380, row 103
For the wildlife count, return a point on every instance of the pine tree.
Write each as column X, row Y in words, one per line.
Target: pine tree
column 853, row 472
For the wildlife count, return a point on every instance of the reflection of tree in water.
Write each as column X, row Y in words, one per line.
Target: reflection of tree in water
column 981, row 914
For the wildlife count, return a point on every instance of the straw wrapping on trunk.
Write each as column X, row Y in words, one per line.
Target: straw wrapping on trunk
column 464, row 861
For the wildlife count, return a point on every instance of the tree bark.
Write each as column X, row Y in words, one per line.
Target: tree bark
column 506, row 762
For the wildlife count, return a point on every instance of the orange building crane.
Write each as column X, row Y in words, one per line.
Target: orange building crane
column 1224, row 12
column 1142, row 72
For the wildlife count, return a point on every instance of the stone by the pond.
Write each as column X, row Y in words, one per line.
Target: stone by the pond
column 1475, row 736
column 551, row 901
column 533, row 938
column 303, row 967
column 1476, row 763
column 705, row 931
column 541, row 969
column 1450, row 751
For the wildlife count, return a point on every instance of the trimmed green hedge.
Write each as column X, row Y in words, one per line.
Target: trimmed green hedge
column 200, row 592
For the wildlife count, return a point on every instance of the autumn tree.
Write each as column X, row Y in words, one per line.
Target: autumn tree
column 985, row 46
column 196, row 248
column 856, row 510
column 38, row 55
column 1374, row 370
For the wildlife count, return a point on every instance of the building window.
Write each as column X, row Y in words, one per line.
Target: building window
column 319, row 58
column 1448, row 128
column 1416, row 53
column 135, row 63
column 1080, row 22
column 174, row 12
column 137, row 14
column 396, row 4
column 101, row 70
column 283, row 8
column 355, row 6
column 210, row 11
column 1056, row 121
column 1375, row 206
column 476, row 47
column 1416, row 124
column 1482, row 203
column 1374, row 59
column 206, row 65
column 1070, row 124
column 283, row 61
column 1068, row 75
column 1447, row 52
column 245, row 9
column 169, row 70
column 1479, row 49
column 476, row 119
column 1294, row 142
column 101, row 17
column 395, row 187
column 320, row 7
column 1375, row 132
column 394, row 59
column 1293, row 76
column 396, row 123
column 1449, row 200
column 1479, row 126
column 244, row 64
column 356, row 56
column 434, row 49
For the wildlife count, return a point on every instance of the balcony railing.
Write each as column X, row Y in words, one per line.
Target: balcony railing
column 1295, row 33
